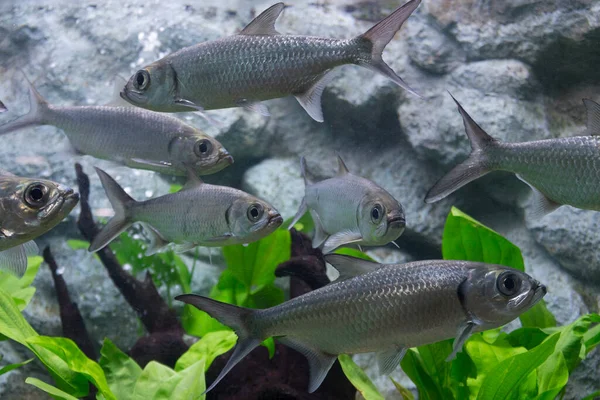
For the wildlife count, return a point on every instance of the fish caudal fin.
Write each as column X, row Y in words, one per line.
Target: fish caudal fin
column 319, row 363
column 472, row 168
column 121, row 202
column 380, row 35
column 232, row 316
column 38, row 113
column 14, row 260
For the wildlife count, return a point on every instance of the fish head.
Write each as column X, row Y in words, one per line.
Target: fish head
column 380, row 217
column 495, row 295
column 152, row 87
column 205, row 155
column 33, row 206
column 251, row 219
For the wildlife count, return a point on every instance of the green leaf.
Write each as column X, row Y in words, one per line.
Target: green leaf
column 120, row 370
column 358, row 378
column 76, row 360
column 305, row 223
column 10, row 367
column 174, row 188
column 349, row 251
column 538, row 316
column 76, row 244
column 504, row 379
column 592, row 337
column 188, row 384
column 150, row 380
column 527, row 337
column 20, row 289
column 12, row 323
column 254, row 265
column 269, row 343
column 212, row 345
column 553, row 375
column 55, row 392
column 412, row 365
column 404, row 392
column 593, row 396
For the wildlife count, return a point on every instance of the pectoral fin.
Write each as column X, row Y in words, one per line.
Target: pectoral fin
column 541, row 204
column 158, row 166
column 339, row 239
column 320, row 234
column 264, row 24
column 390, row 359
column 349, row 267
column 184, row 247
column 310, row 100
column 301, row 211
column 464, row 332
column 14, row 260
column 319, row 362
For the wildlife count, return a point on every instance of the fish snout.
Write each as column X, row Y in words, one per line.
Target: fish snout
column 274, row 218
column 225, row 156
column 396, row 219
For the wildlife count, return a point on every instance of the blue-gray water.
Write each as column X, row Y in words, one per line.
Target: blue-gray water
column 520, row 68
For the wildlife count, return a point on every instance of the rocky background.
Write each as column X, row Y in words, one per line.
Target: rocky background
column 519, row 67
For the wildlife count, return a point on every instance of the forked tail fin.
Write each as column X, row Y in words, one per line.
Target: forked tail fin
column 121, row 203
column 380, row 35
column 472, row 168
column 232, row 316
column 38, row 113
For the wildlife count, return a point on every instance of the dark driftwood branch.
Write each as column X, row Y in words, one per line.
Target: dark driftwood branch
column 165, row 342
column 72, row 323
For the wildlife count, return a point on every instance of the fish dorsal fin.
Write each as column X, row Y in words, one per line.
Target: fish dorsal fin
column 477, row 136
column 193, row 180
column 264, row 24
column 342, row 168
column 307, row 180
column 319, row 362
column 593, row 116
column 390, row 359
column 349, row 267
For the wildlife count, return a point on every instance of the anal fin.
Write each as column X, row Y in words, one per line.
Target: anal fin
column 319, row 362
column 255, row 106
column 388, row 360
column 540, row 203
column 157, row 243
column 310, row 99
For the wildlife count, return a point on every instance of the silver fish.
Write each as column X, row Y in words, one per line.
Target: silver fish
column 383, row 308
column 28, row 208
column 350, row 209
column 260, row 64
column 559, row 171
column 3, row 107
column 129, row 135
column 198, row 215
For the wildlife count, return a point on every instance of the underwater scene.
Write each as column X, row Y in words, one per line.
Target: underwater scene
column 328, row 199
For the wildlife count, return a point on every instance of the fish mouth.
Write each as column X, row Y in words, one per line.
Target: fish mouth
column 275, row 219
column 539, row 291
column 397, row 219
column 132, row 96
column 224, row 156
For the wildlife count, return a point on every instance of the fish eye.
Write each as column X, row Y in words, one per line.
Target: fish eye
column 203, row 147
column 376, row 213
column 35, row 195
column 255, row 212
column 508, row 283
column 141, row 79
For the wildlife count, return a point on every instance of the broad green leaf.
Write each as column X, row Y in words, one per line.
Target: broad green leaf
column 209, row 347
column 76, row 360
column 552, row 376
column 188, row 384
column 527, row 337
column 76, row 244
column 120, row 370
column 504, row 379
column 412, row 365
column 12, row 323
column 10, row 367
column 55, row 392
column 150, row 380
column 486, row 356
column 349, row 251
column 254, row 265
column 20, row 289
column 538, row 316
column 404, row 392
column 174, row 188
column 269, row 343
column 358, row 378
column 593, row 396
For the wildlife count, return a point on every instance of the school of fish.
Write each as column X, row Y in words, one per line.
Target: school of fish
column 370, row 307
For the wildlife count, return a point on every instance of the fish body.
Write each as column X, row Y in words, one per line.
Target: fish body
column 128, row 135
column 383, row 308
column 28, row 208
column 560, row 171
column 198, row 215
column 259, row 64
column 350, row 209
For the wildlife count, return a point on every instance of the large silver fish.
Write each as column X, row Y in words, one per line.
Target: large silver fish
column 383, row 308
column 198, row 215
column 260, row 64
column 28, row 208
column 560, row 171
column 129, row 135
column 350, row 209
